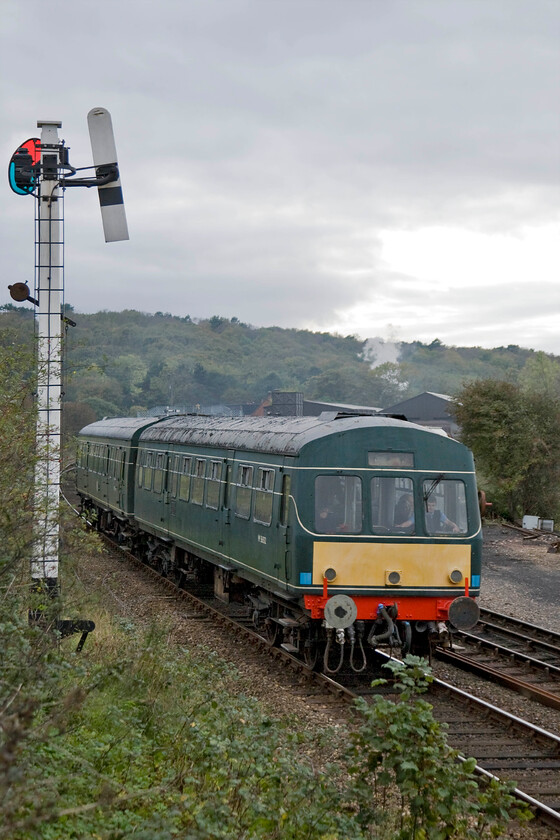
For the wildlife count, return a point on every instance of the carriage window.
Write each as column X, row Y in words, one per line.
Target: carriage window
column 148, row 470
column 115, row 462
column 141, row 462
column 264, row 496
column 172, row 475
column 197, row 494
column 338, row 504
column 243, row 491
column 285, row 500
column 392, row 505
column 185, row 479
column 213, row 487
column 227, row 487
column 158, row 471
column 445, row 507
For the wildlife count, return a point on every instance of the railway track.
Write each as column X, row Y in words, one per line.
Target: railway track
column 521, row 656
column 504, row 746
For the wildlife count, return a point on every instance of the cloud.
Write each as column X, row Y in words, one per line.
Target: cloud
column 271, row 152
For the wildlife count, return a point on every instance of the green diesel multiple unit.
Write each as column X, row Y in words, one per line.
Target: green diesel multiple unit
column 338, row 531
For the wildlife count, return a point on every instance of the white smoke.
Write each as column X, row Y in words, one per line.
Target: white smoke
column 377, row 351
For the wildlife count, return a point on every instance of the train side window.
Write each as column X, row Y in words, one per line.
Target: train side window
column 285, row 500
column 141, row 465
column 445, row 507
column 338, row 504
column 243, row 491
column 213, row 484
column 148, row 471
column 99, row 460
column 185, row 479
column 197, row 486
column 392, row 505
column 123, row 464
column 264, row 496
column 227, row 487
column 172, row 475
column 159, row 464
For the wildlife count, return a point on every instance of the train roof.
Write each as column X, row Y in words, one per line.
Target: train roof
column 119, row 428
column 277, row 435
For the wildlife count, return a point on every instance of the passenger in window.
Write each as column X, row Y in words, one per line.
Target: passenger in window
column 404, row 512
column 328, row 522
column 436, row 520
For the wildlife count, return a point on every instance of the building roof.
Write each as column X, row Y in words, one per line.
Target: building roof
column 426, row 406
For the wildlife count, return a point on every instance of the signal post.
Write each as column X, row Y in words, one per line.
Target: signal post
column 41, row 168
column 49, row 297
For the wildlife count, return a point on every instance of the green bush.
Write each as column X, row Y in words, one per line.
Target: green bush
column 402, row 747
column 158, row 744
column 153, row 744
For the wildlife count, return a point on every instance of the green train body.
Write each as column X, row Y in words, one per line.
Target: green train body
column 335, row 529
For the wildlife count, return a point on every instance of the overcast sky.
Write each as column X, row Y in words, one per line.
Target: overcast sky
column 373, row 167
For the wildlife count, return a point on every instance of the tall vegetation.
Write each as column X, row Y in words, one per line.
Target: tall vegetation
column 121, row 362
column 514, row 433
column 17, row 452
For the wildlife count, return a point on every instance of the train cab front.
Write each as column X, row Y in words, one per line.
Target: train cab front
column 402, row 623
column 400, row 574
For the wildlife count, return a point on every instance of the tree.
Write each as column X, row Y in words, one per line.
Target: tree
column 541, row 375
column 17, row 454
column 74, row 417
column 34, row 693
column 515, row 438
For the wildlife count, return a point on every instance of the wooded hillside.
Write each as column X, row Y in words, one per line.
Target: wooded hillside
column 120, row 362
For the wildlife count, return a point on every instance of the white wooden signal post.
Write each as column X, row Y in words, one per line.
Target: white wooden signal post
column 46, row 178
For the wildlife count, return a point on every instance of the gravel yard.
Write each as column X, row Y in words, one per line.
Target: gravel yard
column 521, row 577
